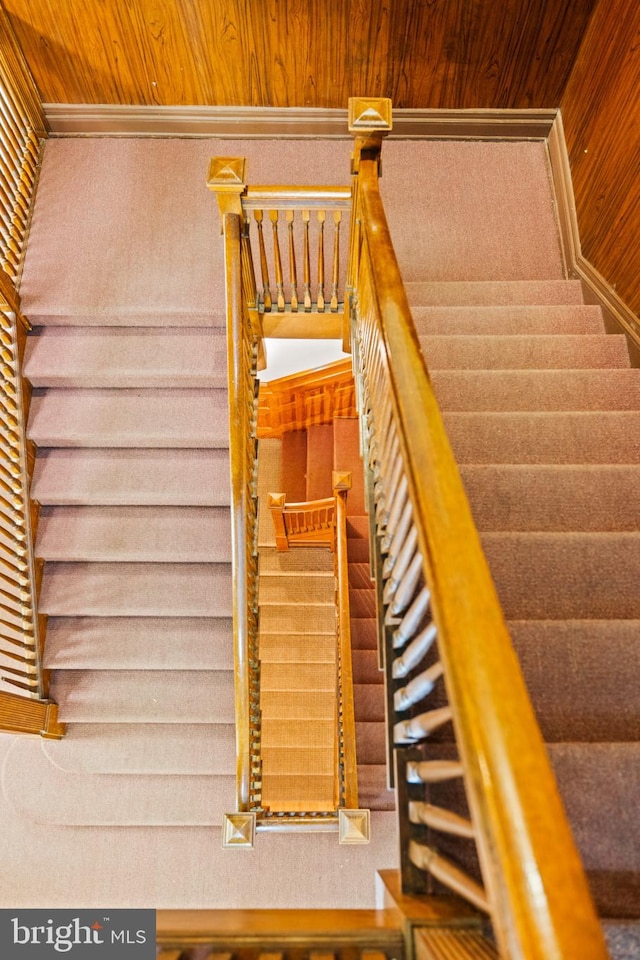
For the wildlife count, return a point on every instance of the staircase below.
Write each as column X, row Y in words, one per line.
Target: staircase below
column 308, row 459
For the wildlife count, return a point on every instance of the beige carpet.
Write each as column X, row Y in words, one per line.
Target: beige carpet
column 125, row 238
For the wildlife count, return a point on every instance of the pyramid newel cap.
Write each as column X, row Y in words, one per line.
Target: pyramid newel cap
column 238, row 830
column 369, row 115
column 354, row 826
column 226, row 177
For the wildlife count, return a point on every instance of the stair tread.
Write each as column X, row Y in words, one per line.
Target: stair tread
column 126, row 357
column 531, row 390
column 175, row 477
column 112, row 799
column 125, row 317
column 558, row 351
column 301, row 648
column 126, row 533
column 129, row 418
column 598, row 497
column 296, row 618
column 291, row 588
column 144, row 696
column 566, row 575
column 138, row 643
column 373, row 792
column 585, row 437
column 590, row 694
column 137, row 589
column 298, row 677
column 509, row 319
column 307, row 561
column 365, row 666
column 596, row 777
column 158, row 748
column 493, row 292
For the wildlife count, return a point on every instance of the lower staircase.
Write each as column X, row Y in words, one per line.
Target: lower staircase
column 308, row 459
column 543, row 413
column 132, row 477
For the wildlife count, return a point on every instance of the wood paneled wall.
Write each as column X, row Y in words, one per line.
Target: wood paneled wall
column 601, row 114
column 304, row 53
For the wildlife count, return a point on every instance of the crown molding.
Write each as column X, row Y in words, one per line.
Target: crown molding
column 242, row 123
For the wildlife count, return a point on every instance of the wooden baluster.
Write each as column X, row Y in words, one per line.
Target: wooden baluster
column 447, row 873
column 307, row 261
column 439, row 818
column 337, row 217
column 273, row 216
column 293, row 273
column 420, row 727
column 414, row 653
column 264, row 268
column 418, row 689
column 433, row 771
column 320, row 298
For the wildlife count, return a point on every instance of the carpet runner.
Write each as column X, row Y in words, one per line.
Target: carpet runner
column 124, row 286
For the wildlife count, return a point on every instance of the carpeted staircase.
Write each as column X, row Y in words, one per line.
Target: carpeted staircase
column 124, row 285
column 308, row 459
column 543, row 412
column 297, row 650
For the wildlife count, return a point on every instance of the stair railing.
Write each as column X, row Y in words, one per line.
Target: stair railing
column 243, row 337
column 347, row 759
column 24, row 704
column 311, row 523
column 22, row 127
column 308, row 292
column 449, row 658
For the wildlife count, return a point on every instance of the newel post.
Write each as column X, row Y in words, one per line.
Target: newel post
column 276, row 502
column 370, row 121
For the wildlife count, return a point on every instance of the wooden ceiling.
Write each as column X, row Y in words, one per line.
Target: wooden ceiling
column 302, row 53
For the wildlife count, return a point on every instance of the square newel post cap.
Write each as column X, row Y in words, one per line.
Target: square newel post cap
column 238, row 830
column 226, row 177
column 354, row 826
column 341, row 480
column 368, row 115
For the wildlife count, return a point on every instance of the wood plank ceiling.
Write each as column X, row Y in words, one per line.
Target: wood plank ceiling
column 302, row 53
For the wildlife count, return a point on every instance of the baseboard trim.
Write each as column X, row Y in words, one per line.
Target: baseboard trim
column 598, row 290
column 242, row 123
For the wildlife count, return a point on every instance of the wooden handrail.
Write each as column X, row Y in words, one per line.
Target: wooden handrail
column 241, row 361
column 347, row 716
column 537, row 891
column 311, row 523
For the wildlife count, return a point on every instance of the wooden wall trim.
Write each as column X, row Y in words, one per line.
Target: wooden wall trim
column 242, row 123
column 597, row 288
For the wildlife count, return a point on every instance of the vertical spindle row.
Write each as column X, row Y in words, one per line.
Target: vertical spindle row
column 409, row 634
column 315, row 282
column 18, row 621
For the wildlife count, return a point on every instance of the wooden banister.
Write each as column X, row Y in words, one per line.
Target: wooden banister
column 226, row 179
column 311, row 523
column 536, row 891
column 346, row 706
column 22, row 127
